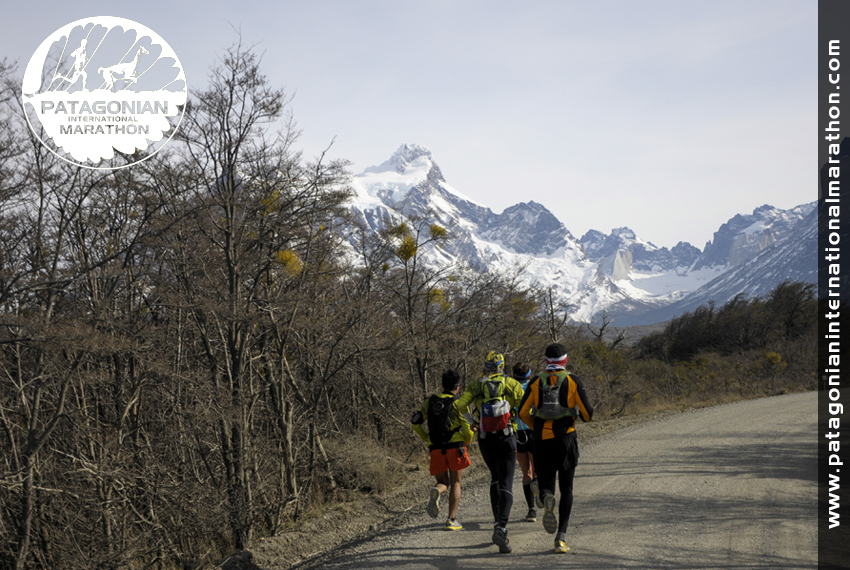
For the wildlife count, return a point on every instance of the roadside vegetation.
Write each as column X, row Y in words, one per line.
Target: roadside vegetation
column 192, row 358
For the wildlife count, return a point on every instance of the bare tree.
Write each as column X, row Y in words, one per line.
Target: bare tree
column 417, row 292
column 259, row 215
column 554, row 314
column 599, row 330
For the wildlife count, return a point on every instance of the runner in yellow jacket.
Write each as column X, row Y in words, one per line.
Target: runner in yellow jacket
column 448, row 436
column 551, row 404
column 496, row 395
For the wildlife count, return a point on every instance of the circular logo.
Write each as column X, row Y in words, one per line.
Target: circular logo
column 104, row 92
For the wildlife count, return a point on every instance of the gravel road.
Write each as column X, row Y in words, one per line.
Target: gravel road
column 731, row 486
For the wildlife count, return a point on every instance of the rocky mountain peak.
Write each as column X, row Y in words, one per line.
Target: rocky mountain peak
column 407, row 156
column 745, row 235
column 528, row 227
column 765, row 210
column 624, row 233
column 685, row 252
column 530, row 213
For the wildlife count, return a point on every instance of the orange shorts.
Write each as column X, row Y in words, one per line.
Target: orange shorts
column 455, row 459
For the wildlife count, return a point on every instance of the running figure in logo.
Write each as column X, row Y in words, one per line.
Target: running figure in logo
column 79, row 68
column 126, row 71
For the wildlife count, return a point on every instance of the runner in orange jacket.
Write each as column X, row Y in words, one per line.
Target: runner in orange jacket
column 551, row 404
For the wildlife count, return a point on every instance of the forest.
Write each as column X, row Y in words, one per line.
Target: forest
column 193, row 354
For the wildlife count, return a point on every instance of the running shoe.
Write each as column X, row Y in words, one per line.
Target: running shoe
column 452, row 524
column 550, row 519
column 531, row 516
column 561, row 547
column 500, row 539
column 535, row 488
column 433, row 507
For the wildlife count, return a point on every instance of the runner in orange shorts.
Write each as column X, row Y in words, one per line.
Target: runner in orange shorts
column 448, row 434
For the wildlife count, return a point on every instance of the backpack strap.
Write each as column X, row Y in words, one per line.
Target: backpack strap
column 547, row 386
column 557, row 423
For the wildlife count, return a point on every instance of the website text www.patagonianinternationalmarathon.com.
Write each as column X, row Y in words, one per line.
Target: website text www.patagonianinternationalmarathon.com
column 832, row 255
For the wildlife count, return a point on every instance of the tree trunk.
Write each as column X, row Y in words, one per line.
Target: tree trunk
column 27, row 509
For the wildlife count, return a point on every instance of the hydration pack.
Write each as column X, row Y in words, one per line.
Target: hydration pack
column 495, row 409
column 439, row 424
column 549, row 406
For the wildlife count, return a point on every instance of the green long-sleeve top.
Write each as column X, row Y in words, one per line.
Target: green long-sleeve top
column 473, row 395
column 463, row 433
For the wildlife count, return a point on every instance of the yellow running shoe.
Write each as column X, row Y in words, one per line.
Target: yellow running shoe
column 452, row 524
column 561, row 547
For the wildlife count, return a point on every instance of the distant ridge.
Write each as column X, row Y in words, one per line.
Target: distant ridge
column 632, row 280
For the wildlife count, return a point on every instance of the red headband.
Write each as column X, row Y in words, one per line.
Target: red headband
column 557, row 361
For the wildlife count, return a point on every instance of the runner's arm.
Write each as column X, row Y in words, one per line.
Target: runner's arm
column 463, row 401
column 465, row 428
column 529, row 400
column 525, row 395
column 515, row 392
column 580, row 399
column 417, row 421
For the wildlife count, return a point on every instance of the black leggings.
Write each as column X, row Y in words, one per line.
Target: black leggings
column 559, row 457
column 499, row 454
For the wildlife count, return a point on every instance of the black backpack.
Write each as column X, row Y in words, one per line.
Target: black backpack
column 439, row 424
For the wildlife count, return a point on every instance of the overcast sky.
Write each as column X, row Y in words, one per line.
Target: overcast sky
column 668, row 117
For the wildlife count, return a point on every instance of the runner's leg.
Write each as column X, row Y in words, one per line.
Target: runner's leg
column 490, row 459
column 545, row 461
column 506, row 465
column 565, row 484
column 523, row 458
column 524, row 466
column 454, row 493
column 442, row 481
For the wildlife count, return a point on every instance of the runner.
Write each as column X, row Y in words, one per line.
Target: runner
column 447, row 436
column 550, row 409
column 496, row 396
column 524, row 447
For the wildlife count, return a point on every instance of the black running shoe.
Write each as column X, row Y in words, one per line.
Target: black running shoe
column 433, row 507
column 535, row 489
column 500, row 539
column 550, row 519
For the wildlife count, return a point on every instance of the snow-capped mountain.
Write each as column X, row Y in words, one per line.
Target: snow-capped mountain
column 792, row 257
column 410, row 184
column 622, row 251
column 619, row 272
column 745, row 236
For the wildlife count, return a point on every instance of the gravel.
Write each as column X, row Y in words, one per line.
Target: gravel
column 732, row 486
